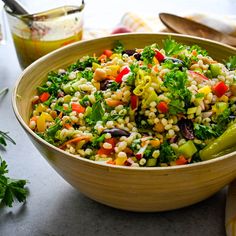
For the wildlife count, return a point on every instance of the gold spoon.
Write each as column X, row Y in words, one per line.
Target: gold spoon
column 185, row 26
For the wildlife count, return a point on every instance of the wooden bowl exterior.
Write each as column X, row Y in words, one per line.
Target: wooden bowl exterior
column 135, row 189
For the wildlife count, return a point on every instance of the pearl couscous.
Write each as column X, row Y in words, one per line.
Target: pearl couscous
column 139, row 107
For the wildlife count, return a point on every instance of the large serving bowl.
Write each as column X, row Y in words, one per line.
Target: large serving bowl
column 137, row 189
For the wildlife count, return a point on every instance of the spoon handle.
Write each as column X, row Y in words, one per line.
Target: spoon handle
column 16, row 7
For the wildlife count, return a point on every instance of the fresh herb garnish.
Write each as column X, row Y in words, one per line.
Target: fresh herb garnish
column 5, row 137
column 204, row 132
column 199, row 50
column 55, row 83
column 176, row 81
column 166, row 153
column 87, row 74
column 10, row 189
column 114, row 86
column 221, row 121
column 97, row 112
column 171, row 47
column 148, row 54
column 118, row 47
column 231, row 63
column 82, row 64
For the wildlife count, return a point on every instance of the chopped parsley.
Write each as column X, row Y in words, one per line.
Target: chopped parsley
column 171, row 47
column 231, row 63
column 203, row 132
column 118, row 47
column 147, row 54
column 10, row 189
column 166, row 153
column 176, row 81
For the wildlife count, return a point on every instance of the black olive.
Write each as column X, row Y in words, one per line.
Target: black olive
column 105, row 84
column 129, row 52
column 137, row 56
column 116, row 132
column 186, row 128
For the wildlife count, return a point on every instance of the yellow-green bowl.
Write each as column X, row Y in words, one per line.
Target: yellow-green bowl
column 136, row 189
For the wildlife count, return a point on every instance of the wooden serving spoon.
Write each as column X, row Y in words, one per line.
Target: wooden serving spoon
column 185, row 26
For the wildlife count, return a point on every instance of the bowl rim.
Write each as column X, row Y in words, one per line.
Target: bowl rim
column 101, row 163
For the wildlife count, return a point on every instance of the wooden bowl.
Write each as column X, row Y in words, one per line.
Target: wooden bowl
column 145, row 189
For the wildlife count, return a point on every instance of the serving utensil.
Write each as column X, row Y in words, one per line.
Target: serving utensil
column 186, row 26
column 16, row 7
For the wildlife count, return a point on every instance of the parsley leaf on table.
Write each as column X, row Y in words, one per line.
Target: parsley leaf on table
column 10, row 189
column 4, row 137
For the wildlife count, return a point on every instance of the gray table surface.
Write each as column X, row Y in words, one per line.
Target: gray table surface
column 53, row 207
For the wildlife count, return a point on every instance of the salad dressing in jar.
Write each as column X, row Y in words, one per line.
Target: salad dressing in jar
column 38, row 34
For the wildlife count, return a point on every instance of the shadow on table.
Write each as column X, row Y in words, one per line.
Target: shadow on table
column 70, row 213
column 78, row 215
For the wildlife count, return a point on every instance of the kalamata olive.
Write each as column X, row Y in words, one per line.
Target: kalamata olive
column 137, row 56
column 116, row 132
column 186, row 128
column 104, row 84
column 129, row 52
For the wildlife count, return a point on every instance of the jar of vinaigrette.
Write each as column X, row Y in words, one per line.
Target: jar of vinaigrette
column 35, row 35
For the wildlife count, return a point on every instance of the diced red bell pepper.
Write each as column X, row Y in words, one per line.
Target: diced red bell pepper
column 159, row 56
column 104, row 151
column 107, row 152
column 112, row 141
column 107, row 52
column 220, row 89
column 44, row 96
column 77, row 107
column 119, row 77
column 162, row 107
column 134, row 101
column 181, row 160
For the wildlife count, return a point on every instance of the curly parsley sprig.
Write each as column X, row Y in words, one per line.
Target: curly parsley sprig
column 10, row 189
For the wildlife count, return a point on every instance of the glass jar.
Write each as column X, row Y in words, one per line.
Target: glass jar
column 35, row 35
